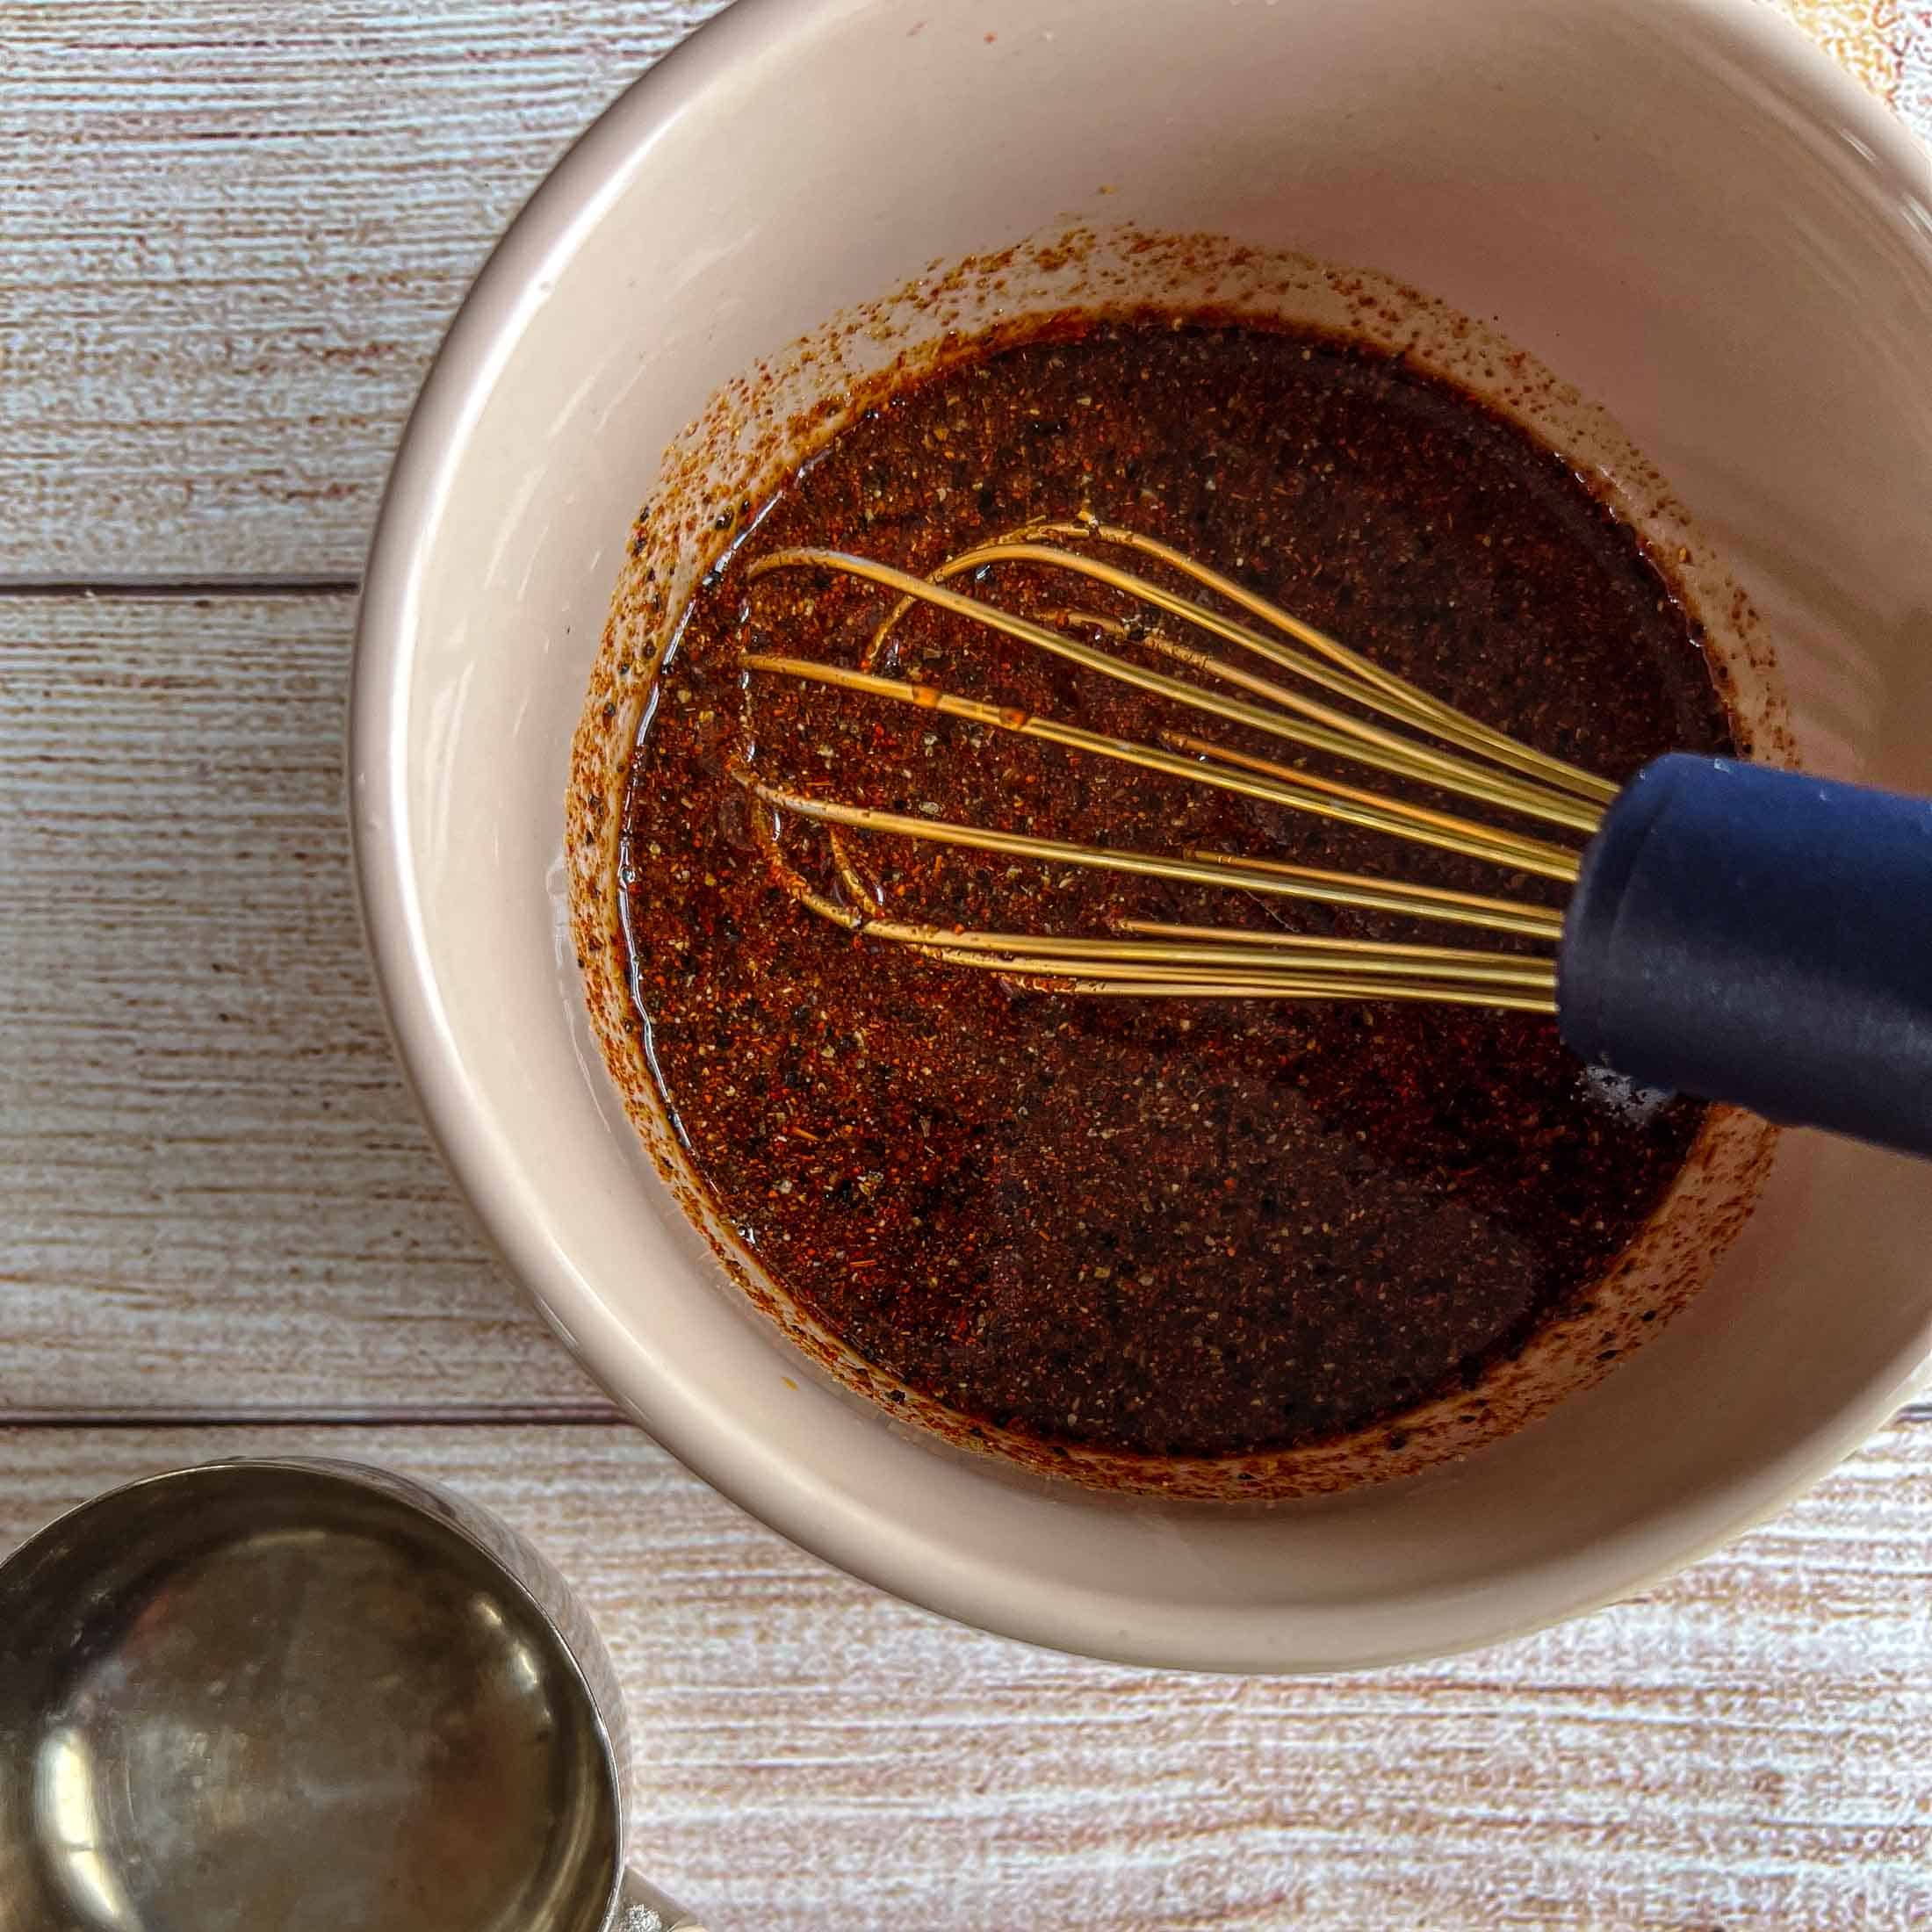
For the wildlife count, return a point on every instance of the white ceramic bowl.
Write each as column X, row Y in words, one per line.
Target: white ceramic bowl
column 1681, row 207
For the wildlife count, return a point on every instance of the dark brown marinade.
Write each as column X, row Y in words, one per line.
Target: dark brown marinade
column 1163, row 1226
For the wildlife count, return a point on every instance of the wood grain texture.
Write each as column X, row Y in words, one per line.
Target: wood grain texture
column 234, row 233
column 1865, row 38
column 1740, row 1750
column 1908, row 25
column 214, row 1194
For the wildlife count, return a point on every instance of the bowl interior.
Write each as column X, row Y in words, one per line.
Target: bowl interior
column 1680, row 208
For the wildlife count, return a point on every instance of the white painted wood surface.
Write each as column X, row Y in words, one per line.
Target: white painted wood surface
column 232, row 231
column 215, row 1196
column 1741, row 1750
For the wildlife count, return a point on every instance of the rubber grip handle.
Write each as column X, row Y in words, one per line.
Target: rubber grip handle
column 1758, row 936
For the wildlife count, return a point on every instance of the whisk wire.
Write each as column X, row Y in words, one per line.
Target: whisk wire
column 1278, row 784
column 1273, row 966
column 1418, row 760
column 1319, row 727
column 1475, row 732
column 1055, row 975
column 1357, row 890
column 1158, row 959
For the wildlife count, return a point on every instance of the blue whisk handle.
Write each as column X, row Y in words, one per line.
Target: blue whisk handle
column 1758, row 936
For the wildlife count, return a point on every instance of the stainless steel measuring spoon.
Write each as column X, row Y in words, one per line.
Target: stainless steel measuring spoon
column 311, row 1696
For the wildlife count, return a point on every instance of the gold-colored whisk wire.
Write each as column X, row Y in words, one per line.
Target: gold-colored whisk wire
column 1409, row 736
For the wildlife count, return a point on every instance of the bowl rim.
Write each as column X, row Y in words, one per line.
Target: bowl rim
column 514, row 279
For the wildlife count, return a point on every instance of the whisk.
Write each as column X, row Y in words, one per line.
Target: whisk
column 1733, row 931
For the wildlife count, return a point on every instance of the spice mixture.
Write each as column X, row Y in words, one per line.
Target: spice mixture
column 1173, row 1226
